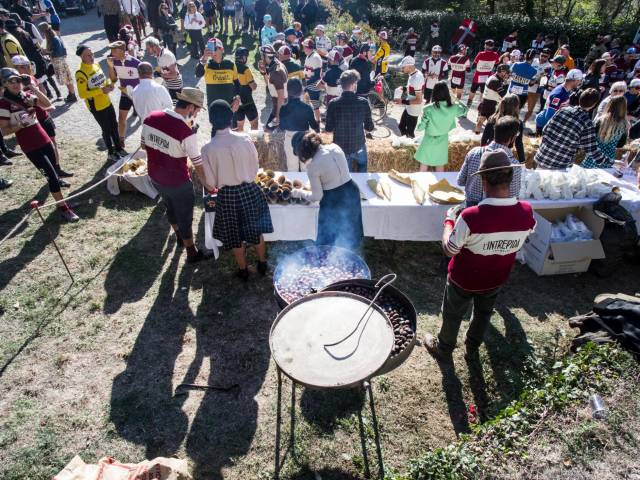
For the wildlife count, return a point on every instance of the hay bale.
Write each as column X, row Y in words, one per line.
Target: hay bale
column 383, row 157
column 271, row 154
column 457, row 152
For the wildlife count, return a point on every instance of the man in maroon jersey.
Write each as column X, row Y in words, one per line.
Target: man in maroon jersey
column 459, row 65
column 483, row 242
column 168, row 138
column 483, row 63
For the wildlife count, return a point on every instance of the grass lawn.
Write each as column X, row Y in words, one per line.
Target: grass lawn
column 92, row 368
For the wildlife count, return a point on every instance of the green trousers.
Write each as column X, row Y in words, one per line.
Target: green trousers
column 455, row 304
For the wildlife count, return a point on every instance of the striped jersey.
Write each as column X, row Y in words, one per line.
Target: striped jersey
column 522, row 74
column 168, row 141
column 459, row 65
column 484, row 63
column 485, row 240
column 127, row 71
column 313, row 70
column 166, row 60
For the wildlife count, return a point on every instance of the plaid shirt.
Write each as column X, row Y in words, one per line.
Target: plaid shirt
column 346, row 117
column 569, row 130
column 473, row 183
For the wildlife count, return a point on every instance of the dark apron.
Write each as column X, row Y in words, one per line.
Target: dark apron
column 340, row 217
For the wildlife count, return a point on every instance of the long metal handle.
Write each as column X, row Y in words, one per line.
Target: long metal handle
column 385, row 282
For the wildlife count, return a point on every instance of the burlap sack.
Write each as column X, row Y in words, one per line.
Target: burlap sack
column 108, row 469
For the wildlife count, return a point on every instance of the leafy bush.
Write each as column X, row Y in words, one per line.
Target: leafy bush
column 341, row 21
column 581, row 33
column 569, row 382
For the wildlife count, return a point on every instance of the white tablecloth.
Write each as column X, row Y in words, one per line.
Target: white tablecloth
column 403, row 218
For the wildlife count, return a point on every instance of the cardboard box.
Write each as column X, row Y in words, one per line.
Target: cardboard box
column 546, row 258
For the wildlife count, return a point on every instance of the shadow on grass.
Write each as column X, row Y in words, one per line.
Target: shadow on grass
column 325, row 408
column 507, row 356
column 452, row 388
column 142, row 405
column 138, row 263
column 67, row 297
column 41, row 238
column 325, row 474
column 231, row 341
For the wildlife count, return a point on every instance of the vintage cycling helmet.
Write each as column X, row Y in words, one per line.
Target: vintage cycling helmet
column 241, row 52
column 268, row 51
column 309, row 43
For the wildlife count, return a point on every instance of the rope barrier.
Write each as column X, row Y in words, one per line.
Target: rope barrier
column 36, row 205
column 14, row 229
column 91, row 187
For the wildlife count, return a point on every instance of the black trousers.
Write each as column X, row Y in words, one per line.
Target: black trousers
column 3, row 146
column 427, row 94
column 44, row 160
column 197, row 43
column 179, row 202
column 408, row 124
column 106, row 118
column 112, row 26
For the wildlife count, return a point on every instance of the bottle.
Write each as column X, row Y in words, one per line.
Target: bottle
column 597, row 407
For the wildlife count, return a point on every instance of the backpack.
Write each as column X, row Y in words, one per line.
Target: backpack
column 619, row 237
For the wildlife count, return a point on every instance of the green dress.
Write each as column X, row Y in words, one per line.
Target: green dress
column 437, row 122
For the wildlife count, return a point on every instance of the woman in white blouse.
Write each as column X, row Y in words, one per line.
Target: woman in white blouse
column 340, row 217
column 193, row 23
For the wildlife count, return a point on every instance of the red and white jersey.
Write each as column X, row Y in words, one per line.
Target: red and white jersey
column 485, row 240
column 510, row 42
column 168, row 141
column 459, row 65
column 484, row 62
column 434, row 70
column 556, row 78
column 412, row 41
column 415, row 84
column 20, row 112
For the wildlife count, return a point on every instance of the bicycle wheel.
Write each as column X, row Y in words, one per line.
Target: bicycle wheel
column 378, row 106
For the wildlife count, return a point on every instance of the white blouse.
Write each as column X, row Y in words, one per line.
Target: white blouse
column 328, row 169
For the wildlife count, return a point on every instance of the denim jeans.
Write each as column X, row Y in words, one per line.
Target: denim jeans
column 455, row 305
column 359, row 158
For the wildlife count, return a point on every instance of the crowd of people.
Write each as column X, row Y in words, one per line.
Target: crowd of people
column 314, row 82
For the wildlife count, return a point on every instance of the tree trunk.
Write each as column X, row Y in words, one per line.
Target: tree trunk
column 529, row 8
column 492, row 6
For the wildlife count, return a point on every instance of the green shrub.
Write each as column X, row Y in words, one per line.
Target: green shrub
column 566, row 384
column 581, row 32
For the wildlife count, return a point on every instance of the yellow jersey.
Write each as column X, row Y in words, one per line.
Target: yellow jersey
column 90, row 80
column 381, row 56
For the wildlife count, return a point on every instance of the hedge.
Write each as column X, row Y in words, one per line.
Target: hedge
column 581, row 32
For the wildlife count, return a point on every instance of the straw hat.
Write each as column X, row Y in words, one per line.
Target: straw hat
column 194, row 96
